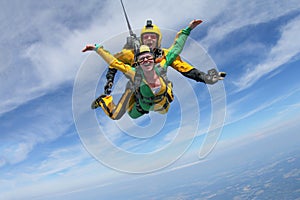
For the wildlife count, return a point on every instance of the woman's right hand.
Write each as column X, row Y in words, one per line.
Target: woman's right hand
column 89, row 47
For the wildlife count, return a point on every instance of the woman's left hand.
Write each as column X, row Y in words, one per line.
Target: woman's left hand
column 195, row 23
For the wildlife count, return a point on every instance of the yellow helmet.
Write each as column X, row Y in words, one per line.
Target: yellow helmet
column 151, row 28
column 143, row 49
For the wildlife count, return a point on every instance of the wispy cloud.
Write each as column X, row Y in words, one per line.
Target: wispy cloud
column 235, row 113
column 49, row 56
column 38, row 123
column 16, row 153
column 242, row 13
column 279, row 124
column 53, row 174
column 285, row 50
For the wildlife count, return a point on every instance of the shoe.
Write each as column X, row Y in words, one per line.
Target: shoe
column 96, row 102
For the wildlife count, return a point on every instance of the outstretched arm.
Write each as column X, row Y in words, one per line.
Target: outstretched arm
column 211, row 77
column 109, row 58
column 194, row 23
column 189, row 71
column 179, row 42
column 126, row 56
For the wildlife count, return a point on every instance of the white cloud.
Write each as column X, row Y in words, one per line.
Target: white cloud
column 243, row 13
column 17, row 152
column 66, row 169
column 41, row 123
column 234, row 113
column 281, row 124
column 284, row 51
column 44, row 59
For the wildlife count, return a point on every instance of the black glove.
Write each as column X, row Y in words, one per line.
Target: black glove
column 213, row 76
column 110, row 75
column 210, row 78
column 107, row 87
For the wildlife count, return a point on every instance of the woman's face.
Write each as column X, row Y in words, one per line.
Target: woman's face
column 146, row 61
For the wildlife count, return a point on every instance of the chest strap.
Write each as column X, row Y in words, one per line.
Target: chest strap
column 154, row 99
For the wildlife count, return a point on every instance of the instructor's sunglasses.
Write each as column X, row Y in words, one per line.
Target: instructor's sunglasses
column 149, row 36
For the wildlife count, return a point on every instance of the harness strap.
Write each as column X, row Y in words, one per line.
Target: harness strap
column 150, row 101
column 139, row 108
column 164, row 106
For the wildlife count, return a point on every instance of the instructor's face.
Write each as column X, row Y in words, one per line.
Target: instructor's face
column 150, row 39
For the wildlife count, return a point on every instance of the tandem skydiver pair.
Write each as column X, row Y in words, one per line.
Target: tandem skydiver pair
column 145, row 65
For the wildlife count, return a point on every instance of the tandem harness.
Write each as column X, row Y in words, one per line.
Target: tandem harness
column 150, row 100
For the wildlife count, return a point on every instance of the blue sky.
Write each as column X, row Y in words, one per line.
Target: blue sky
column 42, row 149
